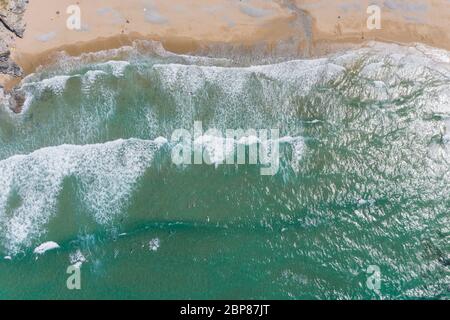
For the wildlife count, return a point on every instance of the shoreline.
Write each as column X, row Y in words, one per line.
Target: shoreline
column 280, row 28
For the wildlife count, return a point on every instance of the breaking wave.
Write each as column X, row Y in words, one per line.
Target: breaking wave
column 369, row 153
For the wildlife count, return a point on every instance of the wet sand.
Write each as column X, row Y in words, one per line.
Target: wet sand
column 280, row 27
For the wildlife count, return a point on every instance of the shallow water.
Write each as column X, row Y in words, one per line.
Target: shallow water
column 364, row 178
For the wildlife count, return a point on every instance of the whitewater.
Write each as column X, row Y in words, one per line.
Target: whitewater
column 364, row 174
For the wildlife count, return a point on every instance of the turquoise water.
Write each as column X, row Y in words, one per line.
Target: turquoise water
column 364, row 178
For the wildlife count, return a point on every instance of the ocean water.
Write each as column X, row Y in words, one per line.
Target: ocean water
column 363, row 180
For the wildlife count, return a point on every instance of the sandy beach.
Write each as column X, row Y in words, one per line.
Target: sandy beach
column 298, row 28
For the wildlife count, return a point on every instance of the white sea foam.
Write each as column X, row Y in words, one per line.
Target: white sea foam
column 46, row 246
column 382, row 71
column 33, row 87
column 217, row 148
column 30, row 184
column 384, row 68
column 303, row 74
column 154, row 244
column 117, row 68
column 161, row 141
column 77, row 259
column 66, row 64
column 106, row 172
column 57, row 84
column 91, row 76
column 364, row 202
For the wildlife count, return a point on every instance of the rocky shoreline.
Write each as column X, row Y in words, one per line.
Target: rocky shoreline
column 12, row 26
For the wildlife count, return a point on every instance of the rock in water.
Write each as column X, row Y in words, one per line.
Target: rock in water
column 16, row 101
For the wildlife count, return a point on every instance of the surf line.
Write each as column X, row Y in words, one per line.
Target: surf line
column 263, row 147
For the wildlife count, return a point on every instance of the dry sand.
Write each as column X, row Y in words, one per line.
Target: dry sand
column 300, row 27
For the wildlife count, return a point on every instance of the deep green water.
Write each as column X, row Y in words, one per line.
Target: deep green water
column 365, row 179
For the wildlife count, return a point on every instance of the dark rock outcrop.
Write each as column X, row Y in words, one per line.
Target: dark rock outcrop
column 16, row 101
column 9, row 67
column 11, row 16
column 11, row 26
